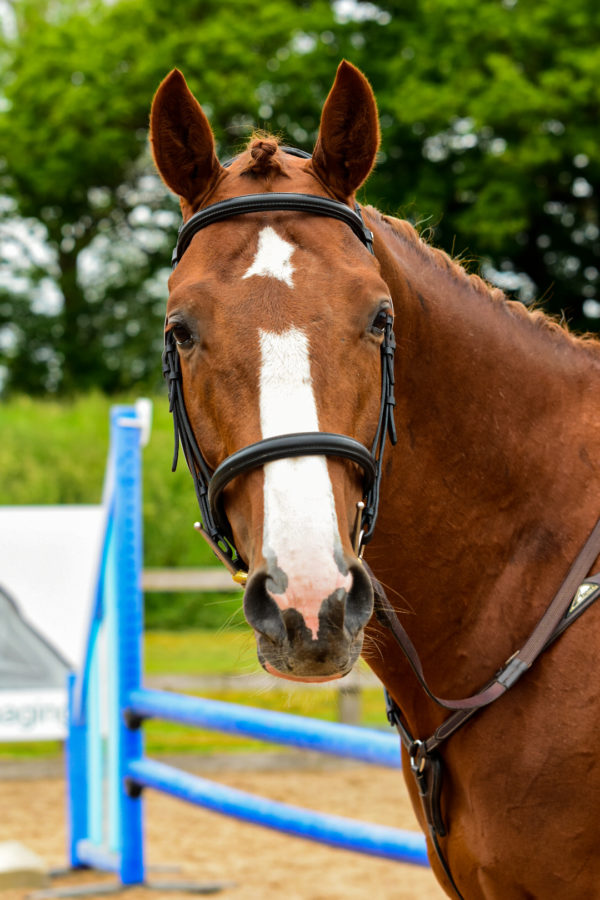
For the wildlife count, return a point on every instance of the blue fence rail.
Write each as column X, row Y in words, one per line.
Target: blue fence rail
column 106, row 765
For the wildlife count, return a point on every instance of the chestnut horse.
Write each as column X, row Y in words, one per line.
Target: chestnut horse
column 275, row 325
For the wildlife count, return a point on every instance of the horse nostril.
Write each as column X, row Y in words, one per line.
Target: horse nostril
column 359, row 602
column 332, row 615
column 338, row 613
column 261, row 611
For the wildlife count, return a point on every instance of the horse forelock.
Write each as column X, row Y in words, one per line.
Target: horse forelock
column 264, row 161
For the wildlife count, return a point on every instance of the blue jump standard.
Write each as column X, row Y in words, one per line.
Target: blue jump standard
column 106, row 776
column 338, row 831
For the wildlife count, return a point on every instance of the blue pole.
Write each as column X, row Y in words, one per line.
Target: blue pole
column 364, row 744
column 95, row 754
column 75, row 758
column 349, row 834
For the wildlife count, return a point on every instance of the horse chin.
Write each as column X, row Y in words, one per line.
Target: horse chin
column 313, row 667
column 307, row 679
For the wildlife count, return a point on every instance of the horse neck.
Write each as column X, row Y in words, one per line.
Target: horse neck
column 489, row 494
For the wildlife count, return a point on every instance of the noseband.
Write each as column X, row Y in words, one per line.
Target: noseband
column 210, row 485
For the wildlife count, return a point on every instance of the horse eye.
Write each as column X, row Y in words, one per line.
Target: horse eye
column 182, row 335
column 380, row 321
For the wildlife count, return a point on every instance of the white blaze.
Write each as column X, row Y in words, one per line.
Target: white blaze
column 272, row 257
column 300, row 536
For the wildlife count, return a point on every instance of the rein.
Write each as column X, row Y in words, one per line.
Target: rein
column 209, row 485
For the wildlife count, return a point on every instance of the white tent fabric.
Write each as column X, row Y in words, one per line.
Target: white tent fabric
column 49, row 558
column 27, row 660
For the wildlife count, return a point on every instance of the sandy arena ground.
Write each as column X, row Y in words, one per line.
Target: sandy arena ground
column 258, row 864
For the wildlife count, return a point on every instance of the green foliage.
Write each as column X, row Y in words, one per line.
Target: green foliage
column 181, row 611
column 199, row 651
column 489, row 119
column 76, row 80
column 55, row 453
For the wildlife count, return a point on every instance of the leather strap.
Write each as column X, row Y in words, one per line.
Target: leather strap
column 458, row 718
column 520, row 661
column 587, row 593
column 251, row 203
column 574, row 596
column 312, row 443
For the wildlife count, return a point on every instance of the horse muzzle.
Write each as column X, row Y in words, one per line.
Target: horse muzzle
column 320, row 641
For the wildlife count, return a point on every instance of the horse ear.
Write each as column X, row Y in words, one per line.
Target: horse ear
column 349, row 133
column 182, row 141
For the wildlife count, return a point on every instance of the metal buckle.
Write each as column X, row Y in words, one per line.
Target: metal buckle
column 235, row 567
column 357, row 537
column 418, row 757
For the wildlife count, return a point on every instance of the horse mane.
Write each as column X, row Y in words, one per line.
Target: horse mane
column 536, row 317
column 263, row 160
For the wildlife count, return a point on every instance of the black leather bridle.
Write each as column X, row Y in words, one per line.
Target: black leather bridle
column 210, row 485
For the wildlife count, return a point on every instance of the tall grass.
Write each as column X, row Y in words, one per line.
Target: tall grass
column 55, row 453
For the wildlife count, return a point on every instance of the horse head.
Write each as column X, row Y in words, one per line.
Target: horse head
column 277, row 318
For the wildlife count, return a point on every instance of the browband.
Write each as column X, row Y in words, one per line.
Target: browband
column 250, row 203
column 274, row 202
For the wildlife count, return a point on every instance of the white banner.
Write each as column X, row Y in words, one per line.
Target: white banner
column 49, row 558
column 36, row 715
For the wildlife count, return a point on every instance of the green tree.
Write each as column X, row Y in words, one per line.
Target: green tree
column 488, row 110
column 490, row 114
column 78, row 78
